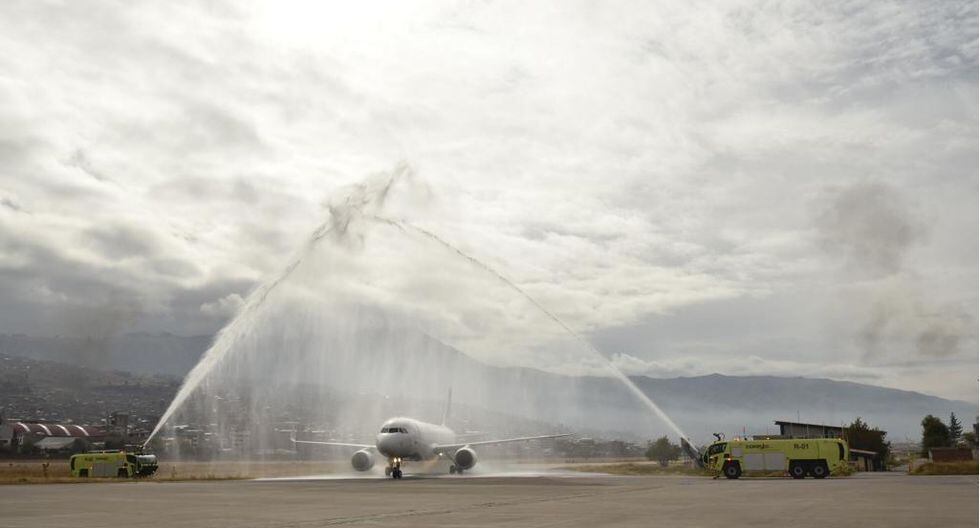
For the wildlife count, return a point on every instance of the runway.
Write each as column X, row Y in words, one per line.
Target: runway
column 866, row 500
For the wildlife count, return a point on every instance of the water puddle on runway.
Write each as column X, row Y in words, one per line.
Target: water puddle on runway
column 490, row 473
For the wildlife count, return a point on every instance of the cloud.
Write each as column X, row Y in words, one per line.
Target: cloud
column 225, row 307
column 10, row 204
column 743, row 366
column 80, row 160
column 872, row 230
column 626, row 165
column 121, row 241
column 870, row 227
column 903, row 321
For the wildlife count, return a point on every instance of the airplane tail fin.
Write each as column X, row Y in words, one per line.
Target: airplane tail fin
column 449, row 404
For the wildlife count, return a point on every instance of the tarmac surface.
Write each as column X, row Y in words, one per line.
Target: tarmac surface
column 567, row 500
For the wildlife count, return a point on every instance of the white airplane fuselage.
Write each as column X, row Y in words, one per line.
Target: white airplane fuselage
column 409, row 439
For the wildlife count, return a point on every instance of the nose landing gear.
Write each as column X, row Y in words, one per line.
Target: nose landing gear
column 394, row 469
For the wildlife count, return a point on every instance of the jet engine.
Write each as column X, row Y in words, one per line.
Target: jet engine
column 465, row 458
column 362, row 460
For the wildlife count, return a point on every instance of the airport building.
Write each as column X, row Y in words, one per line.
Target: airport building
column 19, row 435
column 808, row 430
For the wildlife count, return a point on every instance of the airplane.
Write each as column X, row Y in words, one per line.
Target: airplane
column 406, row 439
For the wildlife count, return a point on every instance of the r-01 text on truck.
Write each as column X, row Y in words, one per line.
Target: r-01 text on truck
column 800, row 457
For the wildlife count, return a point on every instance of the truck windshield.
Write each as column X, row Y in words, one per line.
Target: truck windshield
column 717, row 448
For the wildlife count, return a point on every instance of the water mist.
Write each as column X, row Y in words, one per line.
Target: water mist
column 376, row 316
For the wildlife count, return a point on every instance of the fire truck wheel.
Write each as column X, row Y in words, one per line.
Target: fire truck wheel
column 732, row 470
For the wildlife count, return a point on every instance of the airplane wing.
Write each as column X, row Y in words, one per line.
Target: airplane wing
column 334, row 444
column 453, row 447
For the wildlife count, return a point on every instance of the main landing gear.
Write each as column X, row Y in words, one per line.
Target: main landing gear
column 394, row 469
column 453, row 470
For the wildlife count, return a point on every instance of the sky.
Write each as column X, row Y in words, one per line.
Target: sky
column 785, row 188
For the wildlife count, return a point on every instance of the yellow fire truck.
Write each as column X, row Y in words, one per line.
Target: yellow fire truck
column 800, row 457
column 112, row 464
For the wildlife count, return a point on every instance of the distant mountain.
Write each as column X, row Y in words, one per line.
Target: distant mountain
column 700, row 405
column 136, row 352
column 754, row 402
column 33, row 389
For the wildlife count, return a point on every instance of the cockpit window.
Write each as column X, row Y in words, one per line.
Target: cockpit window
column 394, row 430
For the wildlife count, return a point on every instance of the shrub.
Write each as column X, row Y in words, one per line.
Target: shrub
column 947, row 468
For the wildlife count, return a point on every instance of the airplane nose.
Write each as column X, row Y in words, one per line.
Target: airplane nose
column 387, row 444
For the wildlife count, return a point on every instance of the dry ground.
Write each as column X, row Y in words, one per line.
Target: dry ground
column 34, row 472
column 542, row 499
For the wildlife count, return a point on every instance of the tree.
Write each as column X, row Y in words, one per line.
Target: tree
column 955, row 430
column 663, row 451
column 970, row 439
column 860, row 435
column 934, row 434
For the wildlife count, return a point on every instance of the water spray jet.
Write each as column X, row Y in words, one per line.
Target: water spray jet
column 364, row 196
column 618, row 374
column 247, row 335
